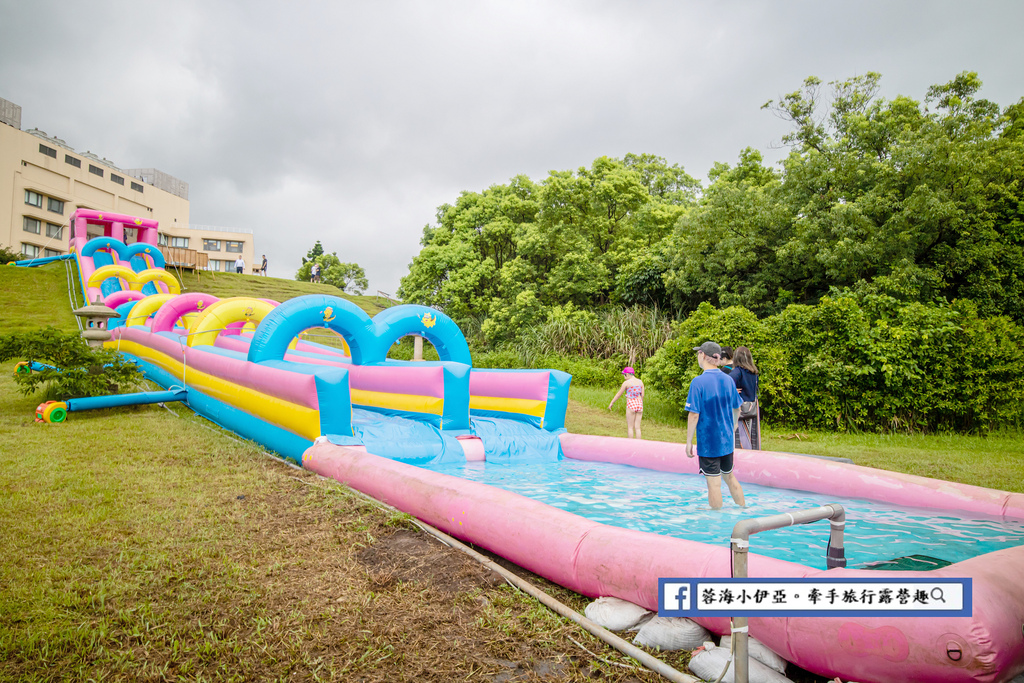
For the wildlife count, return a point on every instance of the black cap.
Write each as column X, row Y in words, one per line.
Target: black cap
column 710, row 349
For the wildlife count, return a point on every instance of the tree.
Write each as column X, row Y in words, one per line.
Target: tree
column 921, row 202
column 348, row 277
column 564, row 240
column 313, row 253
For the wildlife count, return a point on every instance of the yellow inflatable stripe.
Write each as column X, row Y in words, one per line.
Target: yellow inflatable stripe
column 407, row 402
column 295, row 418
column 526, row 406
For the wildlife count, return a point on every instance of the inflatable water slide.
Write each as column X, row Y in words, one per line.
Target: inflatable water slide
column 483, row 455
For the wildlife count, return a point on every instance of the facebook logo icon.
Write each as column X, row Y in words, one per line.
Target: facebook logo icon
column 674, row 597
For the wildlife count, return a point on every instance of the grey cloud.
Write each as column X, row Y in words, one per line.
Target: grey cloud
column 351, row 122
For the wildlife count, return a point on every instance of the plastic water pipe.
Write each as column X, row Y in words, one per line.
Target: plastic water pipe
column 835, row 556
column 29, row 263
column 141, row 398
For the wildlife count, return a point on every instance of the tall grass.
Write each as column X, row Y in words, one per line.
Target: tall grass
column 631, row 335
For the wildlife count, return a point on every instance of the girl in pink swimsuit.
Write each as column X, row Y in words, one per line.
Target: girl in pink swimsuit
column 634, row 390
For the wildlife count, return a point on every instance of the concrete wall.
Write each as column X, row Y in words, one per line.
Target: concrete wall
column 23, row 166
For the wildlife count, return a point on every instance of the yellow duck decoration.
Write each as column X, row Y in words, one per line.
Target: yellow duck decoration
column 328, row 314
column 428, row 320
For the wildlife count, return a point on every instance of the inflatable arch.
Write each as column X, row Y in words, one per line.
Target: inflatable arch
column 101, row 275
column 154, row 275
column 178, row 307
column 368, row 339
column 274, row 336
column 116, row 246
column 124, row 296
column 226, row 311
column 144, row 309
column 431, row 324
column 150, row 256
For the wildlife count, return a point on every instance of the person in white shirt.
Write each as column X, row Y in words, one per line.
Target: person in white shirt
column 239, row 265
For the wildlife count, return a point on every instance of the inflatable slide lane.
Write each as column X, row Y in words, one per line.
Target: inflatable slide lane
column 291, row 392
column 113, row 272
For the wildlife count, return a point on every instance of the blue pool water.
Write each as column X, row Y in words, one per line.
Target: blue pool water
column 676, row 505
column 528, row 461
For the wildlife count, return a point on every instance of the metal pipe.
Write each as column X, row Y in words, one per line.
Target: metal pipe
column 596, row 630
column 835, row 556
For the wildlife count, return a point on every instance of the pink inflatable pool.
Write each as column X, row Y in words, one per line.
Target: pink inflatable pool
column 599, row 560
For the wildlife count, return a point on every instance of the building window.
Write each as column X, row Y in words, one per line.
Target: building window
column 137, row 187
column 214, row 265
column 161, row 240
column 34, row 199
column 48, row 151
column 117, row 179
column 52, row 252
column 68, row 159
column 32, row 225
column 211, row 245
column 234, row 247
column 55, row 205
column 96, row 170
column 179, row 242
column 54, row 230
column 30, row 250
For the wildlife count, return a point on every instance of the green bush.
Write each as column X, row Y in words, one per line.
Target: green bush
column 7, row 255
column 606, row 373
column 865, row 362
column 83, row 370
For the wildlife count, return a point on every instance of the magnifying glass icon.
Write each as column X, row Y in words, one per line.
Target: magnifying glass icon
column 938, row 595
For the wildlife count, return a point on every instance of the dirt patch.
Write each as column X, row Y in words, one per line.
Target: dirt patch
column 411, row 556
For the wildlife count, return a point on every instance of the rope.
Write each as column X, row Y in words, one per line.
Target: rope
column 53, row 237
column 72, row 296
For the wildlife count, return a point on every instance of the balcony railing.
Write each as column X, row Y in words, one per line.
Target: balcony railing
column 180, row 257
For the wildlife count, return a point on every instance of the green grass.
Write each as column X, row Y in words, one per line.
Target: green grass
column 223, row 285
column 31, row 298
column 144, row 544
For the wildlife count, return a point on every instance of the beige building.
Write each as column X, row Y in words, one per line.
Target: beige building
column 43, row 181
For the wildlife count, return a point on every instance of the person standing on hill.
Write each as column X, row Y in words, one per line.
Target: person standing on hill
column 239, row 264
column 634, row 389
column 263, row 268
column 714, row 407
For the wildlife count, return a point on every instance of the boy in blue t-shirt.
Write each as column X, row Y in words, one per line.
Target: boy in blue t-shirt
column 714, row 406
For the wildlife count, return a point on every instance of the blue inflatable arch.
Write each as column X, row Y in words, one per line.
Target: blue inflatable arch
column 431, row 324
column 285, row 322
column 140, row 248
column 96, row 243
column 369, row 340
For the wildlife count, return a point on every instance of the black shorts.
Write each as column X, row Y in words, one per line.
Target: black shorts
column 713, row 467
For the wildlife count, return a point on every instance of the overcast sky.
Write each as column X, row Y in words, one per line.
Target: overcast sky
column 351, row 122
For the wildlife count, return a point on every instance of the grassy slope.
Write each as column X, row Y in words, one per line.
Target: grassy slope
column 143, row 544
column 223, row 285
column 35, row 297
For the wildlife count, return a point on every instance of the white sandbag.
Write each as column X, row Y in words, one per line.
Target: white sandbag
column 671, row 633
column 760, row 652
column 708, row 662
column 615, row 614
